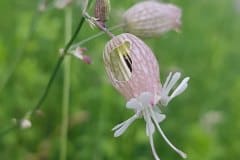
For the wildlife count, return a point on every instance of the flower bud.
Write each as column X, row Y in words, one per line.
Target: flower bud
column 25, row 123
column 151, row 19
column 102, row 9
column 131, row 66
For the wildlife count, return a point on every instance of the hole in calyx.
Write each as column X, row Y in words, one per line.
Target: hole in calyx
column 121, row 62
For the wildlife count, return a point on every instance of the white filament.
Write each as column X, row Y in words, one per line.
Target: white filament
column 150, row 135
column 181, row 153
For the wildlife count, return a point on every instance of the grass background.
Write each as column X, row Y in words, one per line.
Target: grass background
column 204, row 121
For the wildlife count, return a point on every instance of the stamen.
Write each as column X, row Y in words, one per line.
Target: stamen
column 153, row 147
column 182, row 154
column 150, row 128
column 150, row 132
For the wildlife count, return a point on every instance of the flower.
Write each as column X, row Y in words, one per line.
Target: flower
column 151, row 18
column 79, row 53
column 134, row 72
column 131, row 66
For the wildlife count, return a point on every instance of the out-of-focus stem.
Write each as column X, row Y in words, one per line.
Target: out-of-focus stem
column 52, row 77
column 66, row 88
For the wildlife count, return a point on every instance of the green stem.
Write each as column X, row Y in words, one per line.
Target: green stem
column 74, row 46
column 59, row 62
column 51, row 79
column 66, row 89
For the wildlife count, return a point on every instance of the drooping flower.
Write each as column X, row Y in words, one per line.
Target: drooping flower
column 151, row 18
column 134, row 71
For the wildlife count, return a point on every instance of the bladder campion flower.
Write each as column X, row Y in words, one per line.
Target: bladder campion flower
column 151, row 18
column 134, row 72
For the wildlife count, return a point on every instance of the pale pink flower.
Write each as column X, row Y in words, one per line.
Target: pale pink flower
column 134, row 72
column 79, row 53
column 152, row 18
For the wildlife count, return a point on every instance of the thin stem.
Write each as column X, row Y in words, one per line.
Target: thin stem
column 94, row 36
column 59, row 62
column 53, row 75
column 66, row 89
column 181, row 153
column 49, row 84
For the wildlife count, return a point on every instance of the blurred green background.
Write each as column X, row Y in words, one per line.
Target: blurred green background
column 204, row 121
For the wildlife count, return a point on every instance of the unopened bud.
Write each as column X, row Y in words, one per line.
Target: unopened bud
column 25, row 123
column 102, row 9
column 151, row 19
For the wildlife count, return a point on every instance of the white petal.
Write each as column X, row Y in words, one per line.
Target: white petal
column 145, row 98
column 167, row 80
column 172, row 82
column 122, row 127
column 181, row 88
column 168, row 85
column 133, row 104
column 118, row 126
